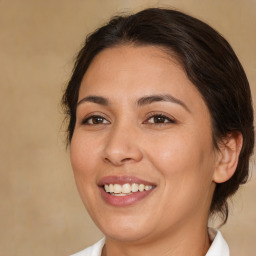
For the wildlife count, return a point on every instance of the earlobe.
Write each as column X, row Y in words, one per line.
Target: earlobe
column 228, row 156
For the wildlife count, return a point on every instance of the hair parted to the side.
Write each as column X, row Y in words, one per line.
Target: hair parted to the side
column 210, row 64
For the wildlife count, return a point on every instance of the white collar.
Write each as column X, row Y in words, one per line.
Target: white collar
column 219, row 246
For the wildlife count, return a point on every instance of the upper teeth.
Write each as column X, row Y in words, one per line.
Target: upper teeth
column 126, row 188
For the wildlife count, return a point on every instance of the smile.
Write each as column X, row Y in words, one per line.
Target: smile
column 123, row 191
column 126, row 189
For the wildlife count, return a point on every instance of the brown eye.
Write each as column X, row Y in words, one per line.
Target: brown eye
column 159, row 119
column 97, row 120
column 94, row 120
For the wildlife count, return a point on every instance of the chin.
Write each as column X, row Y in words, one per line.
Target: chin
column 126, row 229
column 126, row 235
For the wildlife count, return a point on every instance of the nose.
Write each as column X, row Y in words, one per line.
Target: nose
column 122, row 146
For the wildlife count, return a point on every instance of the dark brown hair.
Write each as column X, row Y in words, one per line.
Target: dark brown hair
column 210, row 64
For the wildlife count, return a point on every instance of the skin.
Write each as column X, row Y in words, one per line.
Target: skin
column 178, row 155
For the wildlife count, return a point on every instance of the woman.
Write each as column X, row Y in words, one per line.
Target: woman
column 160, row 132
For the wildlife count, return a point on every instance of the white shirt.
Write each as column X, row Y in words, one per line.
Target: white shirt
column 218, row 247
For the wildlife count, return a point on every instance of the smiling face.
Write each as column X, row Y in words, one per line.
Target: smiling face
column 141, row 121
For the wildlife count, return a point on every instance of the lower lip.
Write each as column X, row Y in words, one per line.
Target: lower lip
column 122, row 201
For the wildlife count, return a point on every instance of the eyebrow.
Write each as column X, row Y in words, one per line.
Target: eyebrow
column 161, row 97
column 141, row 102
column 94, row 99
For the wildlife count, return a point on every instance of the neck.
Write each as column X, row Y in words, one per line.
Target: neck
column 193, row 241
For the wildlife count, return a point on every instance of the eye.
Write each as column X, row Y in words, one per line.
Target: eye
column 159, row 119
column 95, row 120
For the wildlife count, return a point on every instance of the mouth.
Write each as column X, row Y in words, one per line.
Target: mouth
column 124, row 190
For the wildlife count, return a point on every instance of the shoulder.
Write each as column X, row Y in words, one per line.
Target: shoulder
column 219, row 246
column 94, row 250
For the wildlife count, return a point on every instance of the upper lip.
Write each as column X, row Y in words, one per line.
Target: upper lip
column 123, row 180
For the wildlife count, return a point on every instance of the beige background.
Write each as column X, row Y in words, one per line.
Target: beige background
column 41, row 212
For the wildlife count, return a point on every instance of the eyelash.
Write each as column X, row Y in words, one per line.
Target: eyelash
column 152, row 115
column 157, row 115
column 86, row 120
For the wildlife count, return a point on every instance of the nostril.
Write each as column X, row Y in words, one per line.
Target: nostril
column 126, row 159
column 117, row 161
column 107, row 160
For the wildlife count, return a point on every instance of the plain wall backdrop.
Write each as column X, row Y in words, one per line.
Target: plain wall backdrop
column 41, row 212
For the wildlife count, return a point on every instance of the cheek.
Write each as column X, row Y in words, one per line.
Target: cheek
column 83, row 160
column 185, row 172
column 83, row 155
column 171, row 153
column 183, row 160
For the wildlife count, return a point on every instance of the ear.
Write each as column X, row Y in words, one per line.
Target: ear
column 228, row 156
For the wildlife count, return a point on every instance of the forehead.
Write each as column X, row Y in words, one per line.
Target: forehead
column 130, row 71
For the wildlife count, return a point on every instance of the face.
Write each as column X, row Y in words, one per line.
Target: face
column 144, row 131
